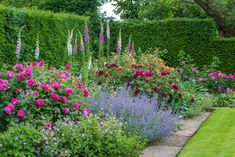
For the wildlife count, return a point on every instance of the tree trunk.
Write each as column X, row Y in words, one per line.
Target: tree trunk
column 211, row 11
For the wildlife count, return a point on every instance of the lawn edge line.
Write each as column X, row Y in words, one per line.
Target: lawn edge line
column 211, row 113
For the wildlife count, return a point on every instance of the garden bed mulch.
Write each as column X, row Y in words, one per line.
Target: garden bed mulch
column 171, row 145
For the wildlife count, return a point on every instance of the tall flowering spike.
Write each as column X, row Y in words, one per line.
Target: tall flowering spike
column 86, row 32
column 82, row 46
column 119, row 44
column 37, row 49
column 108, row 31
column 101, row 33
column 90, row 62
column 75, row 48
column 128, row 48
column 133, row 49
column 18, row 46
column 69, row 44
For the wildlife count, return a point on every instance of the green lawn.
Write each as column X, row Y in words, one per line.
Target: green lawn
column 216, row 138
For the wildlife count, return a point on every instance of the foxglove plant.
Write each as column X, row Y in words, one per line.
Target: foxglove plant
column 128, row 47
column 144, row 116
column 133, row 49
column 69, row 44
column 82, row 46
column 101, row 44
column 108, row 38
column 18, row 45
column 37, row 49
column 86, row 32
column 119, row 43
column 75, row 48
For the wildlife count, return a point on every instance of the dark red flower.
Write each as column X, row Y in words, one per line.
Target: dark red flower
column 155, row 90
column 137, row 90
column 164, row 94
column 192, row 99
column 174, row 86
column 164, row 72
column 180, row 95
column 100, row 72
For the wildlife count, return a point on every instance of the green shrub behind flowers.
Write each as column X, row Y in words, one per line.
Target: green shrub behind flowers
column 31, row 92
column 91, row 136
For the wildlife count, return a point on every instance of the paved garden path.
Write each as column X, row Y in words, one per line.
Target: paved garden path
column 171, row 145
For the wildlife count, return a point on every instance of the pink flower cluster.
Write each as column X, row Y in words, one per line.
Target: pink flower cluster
column 218, row 74
column 46, row 89
column 3, row 85
column 143, row 74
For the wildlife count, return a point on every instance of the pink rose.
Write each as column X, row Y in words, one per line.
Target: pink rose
column 41, row 63
column 64, row 99
column 40, row 102
column 9, row 108
column 67, row 66
column 19, row 66
column 14, row 101
column 76, row 106
column 53, row 69
column 79, row 85
column 66, row 110
column 48, row 125
column 34, row 64
column 30, row 82
column 34, row 93
column 56, row 85
column 86, row 111
column 85, row 92
column 47, row 87
column 21, row 113
column 57, row 98
column 10, row 74
column 53, row 95
column 69, row 91
column 28, row 71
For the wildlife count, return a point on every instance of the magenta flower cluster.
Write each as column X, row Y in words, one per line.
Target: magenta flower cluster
column 217, row 74
column 47, row 87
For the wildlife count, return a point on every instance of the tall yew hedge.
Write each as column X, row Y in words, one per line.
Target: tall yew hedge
column 52, row 29
column 198, row 37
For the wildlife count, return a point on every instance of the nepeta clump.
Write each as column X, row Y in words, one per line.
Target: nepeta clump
column 144, row 116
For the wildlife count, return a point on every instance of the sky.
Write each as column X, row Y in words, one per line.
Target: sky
column 108, row 8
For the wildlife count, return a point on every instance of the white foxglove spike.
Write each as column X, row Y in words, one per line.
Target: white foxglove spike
column 37, row 49
column 18, row 43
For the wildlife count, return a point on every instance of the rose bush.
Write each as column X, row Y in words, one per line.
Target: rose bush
column 31, row 92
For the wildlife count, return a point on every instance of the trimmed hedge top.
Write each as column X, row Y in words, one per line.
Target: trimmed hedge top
column 52, row 29
column 198, row 37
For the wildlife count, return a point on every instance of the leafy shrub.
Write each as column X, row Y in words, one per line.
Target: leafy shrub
column 92, row 136
column 19, row 140
column 143, row 116
column 33, row 93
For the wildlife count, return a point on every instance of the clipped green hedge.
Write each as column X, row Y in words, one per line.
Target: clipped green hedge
column 198, row 37
column 53, row 34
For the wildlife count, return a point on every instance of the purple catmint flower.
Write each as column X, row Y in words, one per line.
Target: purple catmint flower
column 143, row 115
column 75, row 48
column 86, row 32
column 133, row 49
column 128, row 47
column 82, row 46
column 18, row 45
column 101, row 33
column 108, row 31
column 119, row 43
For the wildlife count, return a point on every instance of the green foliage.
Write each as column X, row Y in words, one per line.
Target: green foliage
column 19, row 141
column 92, row 136
column 194, row 36
column 52, row 29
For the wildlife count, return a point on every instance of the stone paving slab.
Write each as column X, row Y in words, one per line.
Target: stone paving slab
column 171, row 145
column 172, row 140
column 161, row 151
